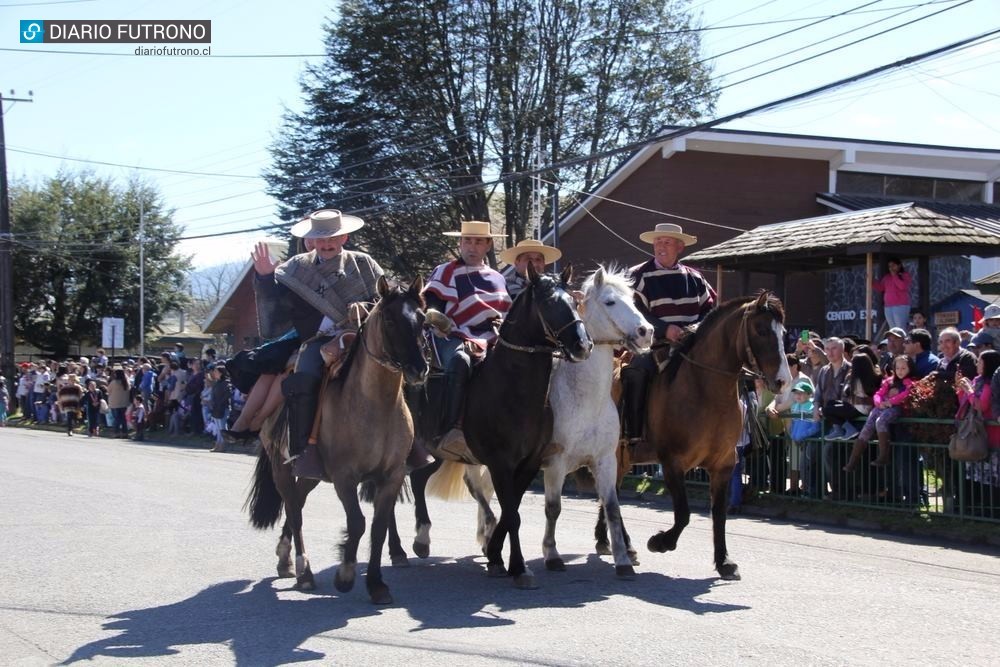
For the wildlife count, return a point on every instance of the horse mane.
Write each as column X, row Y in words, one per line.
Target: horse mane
column 614, row 274
column 772, row 304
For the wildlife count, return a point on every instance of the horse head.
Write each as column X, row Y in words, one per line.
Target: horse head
column 610, row 314
column 764, row 342
column 400, row 317
column 557, row 318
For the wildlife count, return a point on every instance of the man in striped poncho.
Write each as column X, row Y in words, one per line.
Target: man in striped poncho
column 671, row 296
column 474, row 299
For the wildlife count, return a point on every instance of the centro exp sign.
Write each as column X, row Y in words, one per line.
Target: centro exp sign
column 847, row 315
column 116, row 32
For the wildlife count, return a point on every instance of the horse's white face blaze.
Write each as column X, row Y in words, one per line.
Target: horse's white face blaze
column 784, row 372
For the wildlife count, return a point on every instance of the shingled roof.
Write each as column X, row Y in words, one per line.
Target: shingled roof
column 906, row 229
column 982, row 215
column 989, row 284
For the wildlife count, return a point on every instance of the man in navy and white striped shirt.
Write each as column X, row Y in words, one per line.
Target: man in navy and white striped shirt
column 671, row 296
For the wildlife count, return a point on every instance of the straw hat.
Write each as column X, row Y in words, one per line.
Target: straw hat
column 550, row 254
column 326, row 222
column 475, row 229
column 671, row 230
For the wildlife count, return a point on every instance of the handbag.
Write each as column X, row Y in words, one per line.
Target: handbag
column 969, row 441
column 803, row 429
column 104, row 409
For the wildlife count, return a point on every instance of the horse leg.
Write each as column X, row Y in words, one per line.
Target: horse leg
column 719, row 487
column 555, row 473
column 418, row 482
column 601, row 546
column 294, row 494
column 523, row 577
column 673, row 476
column 385, row 502
column 480, row 485
column 343, row 581
column 502, row 483
column 605, row 473
column 397, row 555
column 284, row 552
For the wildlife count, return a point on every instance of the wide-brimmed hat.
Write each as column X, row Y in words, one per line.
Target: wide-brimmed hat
column 671, row 230
column 326, row 222
column 991, row 311
column 475, row 229
column 530, row 245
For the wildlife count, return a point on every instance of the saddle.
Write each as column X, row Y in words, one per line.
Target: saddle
column 335, row 353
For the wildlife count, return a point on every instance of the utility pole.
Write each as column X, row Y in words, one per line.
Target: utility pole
column 6, row 262
column 142, row 278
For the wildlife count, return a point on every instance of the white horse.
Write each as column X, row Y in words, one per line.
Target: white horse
column 586, row 426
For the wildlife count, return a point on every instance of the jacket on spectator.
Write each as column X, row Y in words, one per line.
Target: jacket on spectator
column 896, row 288
column 882, row 399
column 987, row 401
column 118, row 396
column 964, row 361
column 830, row 385
column 70, row 397
column 924, row 364
column 222, row 396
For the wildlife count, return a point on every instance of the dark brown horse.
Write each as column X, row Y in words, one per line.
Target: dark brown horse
column 694, row 416
column 366, row 433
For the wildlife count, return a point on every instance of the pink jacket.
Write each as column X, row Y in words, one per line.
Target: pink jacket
column 882, row 399
column 992, row 432
column 896, row 288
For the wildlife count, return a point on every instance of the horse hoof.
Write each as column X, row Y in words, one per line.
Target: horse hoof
column 381, row 596
column 555, row 565
column 496, row 570
column 625, row 572
column 729, row 572
column 400, row 561
column 633, row 557
column 660, row 543
column 525, row 582
column 286, row 572
column 603, row 549
column 421, row 550
column 343, row 585
column 305, row 582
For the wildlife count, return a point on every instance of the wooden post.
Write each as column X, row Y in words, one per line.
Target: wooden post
column 718, row 282
column 868, row 296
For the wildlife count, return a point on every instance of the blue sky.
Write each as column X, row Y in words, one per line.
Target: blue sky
column 218, row 115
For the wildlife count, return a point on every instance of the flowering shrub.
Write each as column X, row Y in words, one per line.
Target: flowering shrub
column 932, row 397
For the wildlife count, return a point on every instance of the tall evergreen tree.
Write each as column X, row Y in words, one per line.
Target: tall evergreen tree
column 76, row 259
column 441, row 96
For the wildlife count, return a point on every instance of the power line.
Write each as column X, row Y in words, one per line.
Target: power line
column 636, row 145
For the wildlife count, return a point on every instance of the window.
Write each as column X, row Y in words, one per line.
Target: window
column 856, row 183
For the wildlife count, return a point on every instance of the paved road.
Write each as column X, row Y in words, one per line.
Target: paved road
column 118, row 551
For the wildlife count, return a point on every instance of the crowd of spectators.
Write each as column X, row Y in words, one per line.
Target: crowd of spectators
column 856, row 391
column 127, row 397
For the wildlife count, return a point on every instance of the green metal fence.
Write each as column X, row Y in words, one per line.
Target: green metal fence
column 920, row 477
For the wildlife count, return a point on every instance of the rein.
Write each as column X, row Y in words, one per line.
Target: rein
column 389, row 364
column 754, row 368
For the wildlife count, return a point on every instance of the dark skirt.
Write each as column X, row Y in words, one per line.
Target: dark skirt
column 269, row 358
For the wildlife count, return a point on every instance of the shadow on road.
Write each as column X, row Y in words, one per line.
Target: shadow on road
column 255, row 623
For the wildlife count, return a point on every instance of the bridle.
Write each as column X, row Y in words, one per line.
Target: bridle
column 621, row 341
column 383, row 361
column 753, row 371
column 551, row 335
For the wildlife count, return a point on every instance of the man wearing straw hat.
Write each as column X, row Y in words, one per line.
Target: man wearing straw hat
column 672, row 297
column 474, row 299
column 312, row 292
column 528, row 251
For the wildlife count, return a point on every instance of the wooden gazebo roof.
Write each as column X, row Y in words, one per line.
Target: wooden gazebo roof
column 845, row 239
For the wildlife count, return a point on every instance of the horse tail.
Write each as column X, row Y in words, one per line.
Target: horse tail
column 263, row 500
column 448, row 483
column 366, row 492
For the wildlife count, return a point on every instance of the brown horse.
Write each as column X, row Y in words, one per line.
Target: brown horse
column 366, row 432
column 694, row 416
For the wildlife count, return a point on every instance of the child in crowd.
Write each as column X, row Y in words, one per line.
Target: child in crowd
column 888, row 408
column 138, row 418
column 801, row 428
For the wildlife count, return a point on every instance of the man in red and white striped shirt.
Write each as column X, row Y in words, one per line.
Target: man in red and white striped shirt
column 671, row 296
column 474, row 298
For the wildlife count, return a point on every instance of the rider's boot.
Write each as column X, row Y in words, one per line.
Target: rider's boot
column 634, row 387
column 301, row 392
column 452, row 443
column 418, row 456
